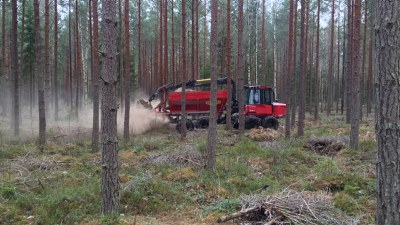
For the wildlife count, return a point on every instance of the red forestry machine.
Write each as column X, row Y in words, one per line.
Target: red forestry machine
column 261, row 108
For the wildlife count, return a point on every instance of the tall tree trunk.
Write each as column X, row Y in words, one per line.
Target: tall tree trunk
column 161, row 78
column 31, row 90
column 355, row 81
column 204, row 36
column 14, row 66
column 240, row 70
column 165, row 44
column 370, row 96
column 183, row 71
column 310, row 86
column 127, row 70
column 40, row 77
column 78, row 63
column 228, row 66
column 290, row 68
column 303, row 67
column 173, row 69
column 212, row 130
column 192, row 56
column 338, row 54
column 196, row 61
column 294, row 75
column 364, row 59
column 120, row 60
column 47, row 53
column 109, row 162
column 140, row 53
column 156, row 64
column 263, row 43
column 331, row 82
column 387, row 76
column 55, row 77
column 349, row 66
column 343, row 93
column 21, row 52
column 95, row 69
column 4, row 65
column 70, row 96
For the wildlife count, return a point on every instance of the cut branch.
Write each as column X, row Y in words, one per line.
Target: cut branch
column 236, row 214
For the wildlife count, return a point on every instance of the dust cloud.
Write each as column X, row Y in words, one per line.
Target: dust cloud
column 142, row 119
column 70, row 128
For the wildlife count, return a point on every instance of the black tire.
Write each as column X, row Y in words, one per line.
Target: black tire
column 189, row 125
column 221, row 120
column 203, row 123
column 173, row 119
column 251, row 122
column 235, row 121
column 270, row 122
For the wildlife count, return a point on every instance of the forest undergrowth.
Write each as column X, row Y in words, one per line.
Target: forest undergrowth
column 163, row 179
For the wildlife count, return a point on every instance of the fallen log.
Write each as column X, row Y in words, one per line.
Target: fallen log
column 273, row 221
column 236, row 214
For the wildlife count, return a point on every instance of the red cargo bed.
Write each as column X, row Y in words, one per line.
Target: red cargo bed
column 197, row 102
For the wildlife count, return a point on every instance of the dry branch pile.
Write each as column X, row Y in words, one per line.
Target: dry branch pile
column 32, row 171
column 329, row 146
column 262, row 134
column 289, row 207
column 182, row 158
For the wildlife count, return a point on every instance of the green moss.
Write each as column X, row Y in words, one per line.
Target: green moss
column 345, row 203
column 225, row 205
column 13, row 151
column 7, row 192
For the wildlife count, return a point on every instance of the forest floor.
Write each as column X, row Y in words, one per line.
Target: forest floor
column 163, row 179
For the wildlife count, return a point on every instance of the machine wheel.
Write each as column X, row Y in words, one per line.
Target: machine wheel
column 221, row 120
column 251, row 122
column 189, row 125
column 270, row 122
column 235, row 121
column 202, row 123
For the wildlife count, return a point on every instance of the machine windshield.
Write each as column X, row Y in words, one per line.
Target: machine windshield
column 257, row 96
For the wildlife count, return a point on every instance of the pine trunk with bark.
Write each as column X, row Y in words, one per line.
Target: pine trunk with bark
column 40, row 77
column 240, row 67
column 294, row 83
column 331, row 82
column 140, row 52
column 193, row 35
column 109, row 162
column 363, row 90
column 183, row 72
column 290, row 67
column 55, row 76
column 370, row 93
column 127, row 70
column 21, row 52
column 70, row 79
column 95, row 81
column 263, row 45
column 212, row 130
column 303, row 67
column 165, row 41
column 173, row 69
column 4, row 66
column 349, row 66
column 78, row 63
column 14, row 67
column 47, row 53
column 387, row 78
column 228, row 66
column 355, row 79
